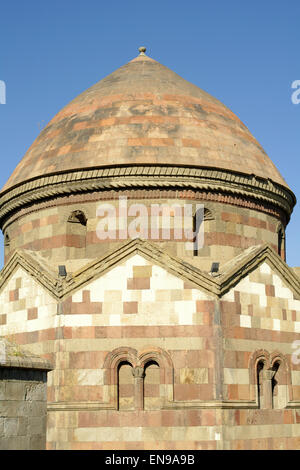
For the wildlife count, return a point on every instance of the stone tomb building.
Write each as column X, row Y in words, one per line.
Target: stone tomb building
column 154, row 345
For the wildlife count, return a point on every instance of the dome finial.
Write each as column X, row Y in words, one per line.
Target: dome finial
column 142, row 50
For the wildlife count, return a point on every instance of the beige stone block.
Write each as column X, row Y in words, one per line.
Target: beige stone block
column 187, row 294
column 266, row 323
column 162, row 295
column 236, row 376
column 245, row 298
column 255, row 322
column 90, row 377
column 193, row 376
column 142, row 271
column 112, row 296
column 108, row 344
column 156, row 433
column 201, row 433
column 112, row 308
column 250, row 232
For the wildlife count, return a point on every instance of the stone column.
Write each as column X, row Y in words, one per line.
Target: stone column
column 267, row 376
column 138, row 374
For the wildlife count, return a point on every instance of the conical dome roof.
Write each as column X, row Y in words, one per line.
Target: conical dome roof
column 145, row 126
column 144, row 113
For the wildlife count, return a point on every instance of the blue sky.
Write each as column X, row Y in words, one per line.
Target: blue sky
column 246, row 54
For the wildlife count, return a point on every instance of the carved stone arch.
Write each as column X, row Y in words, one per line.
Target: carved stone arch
column 278, row 356
column 208, row 214
column 138, row 361
column 114, row 358
column 78, row 217
column 111, row 372
column 166, row 370
column 261, row 355
column 259, row 362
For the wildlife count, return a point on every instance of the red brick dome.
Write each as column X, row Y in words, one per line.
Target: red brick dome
column 141, row 114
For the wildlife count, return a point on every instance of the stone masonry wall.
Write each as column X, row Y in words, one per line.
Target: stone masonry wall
column 145, row 360
column 23, row 400
column 228, row 229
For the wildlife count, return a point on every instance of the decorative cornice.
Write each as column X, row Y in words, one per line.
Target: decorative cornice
column 230, row 275
column 14, row 356
column 148, row 177
column 244, row 264
column 171, row 405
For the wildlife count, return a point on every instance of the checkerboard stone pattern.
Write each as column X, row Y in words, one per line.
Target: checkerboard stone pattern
column 174, row 350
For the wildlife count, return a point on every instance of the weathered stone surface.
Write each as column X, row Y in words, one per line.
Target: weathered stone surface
column 144, row 113
column 23, row 398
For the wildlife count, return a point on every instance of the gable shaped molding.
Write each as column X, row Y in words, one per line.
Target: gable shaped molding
column 232, row 273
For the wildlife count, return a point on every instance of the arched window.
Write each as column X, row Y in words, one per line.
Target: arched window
column 201, row 216
column 78, row 217
column 6, row 245
column 275, row 385
column 259, row 377
column 134, row 381
column 280, row 381
column 76, row 230
column 125, row 386
column 281, row 242
column 152, row 381
column 269, row 379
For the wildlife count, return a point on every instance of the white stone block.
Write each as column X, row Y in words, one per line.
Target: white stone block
column 297, row 326
column 77, row 297
column 115, row 320
column 263, row 300
column 265, row 268
column 245, row 321
column 276, row 324
column 78, row 320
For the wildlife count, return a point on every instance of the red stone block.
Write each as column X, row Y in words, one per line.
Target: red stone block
column 232, row 390
column 130, row 307
column 138, row 283
column 47, row 335
column 32, row 337
column 208, row 418
column 205, row 306
column 13, row 295
column 270, row 290
column 32, row 313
